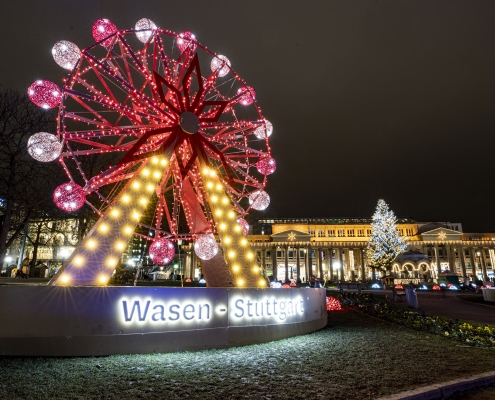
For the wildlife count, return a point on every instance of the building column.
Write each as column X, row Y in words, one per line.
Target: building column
column 286, row 250
column 437, row 259
column 274, row 262
column 330, row 263
column 320, row 264
column 472, row 255
column 451, row 258
column 310, row 263
column 306, row 268
column 483, row 264
column 363, row 277
column 340, row 272
column 298, row 264
column 460, row 251
column 263, row 259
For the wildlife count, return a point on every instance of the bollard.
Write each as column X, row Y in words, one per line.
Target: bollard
column 412, row 298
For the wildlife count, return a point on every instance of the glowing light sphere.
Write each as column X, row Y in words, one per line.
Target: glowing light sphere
column 259, row 200
column 45, row 94
column 44, row 147
column 66, row 54
column 266, row 166
column 244, row 226
column 186, row 39
column 69, row 196
column 333, row 304
column 103, row 28
column 248, row 95
column 145, row 23
column 220, row 63
column 162, row 251
column 206, row 247
column 264, row 131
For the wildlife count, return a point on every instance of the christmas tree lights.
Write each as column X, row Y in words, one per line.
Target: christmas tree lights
column 385, row 241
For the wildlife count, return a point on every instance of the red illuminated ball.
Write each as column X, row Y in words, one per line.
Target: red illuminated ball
column 244, row 226
column 266, row 166
column 102, row 29
column 162, row 251
column 186, row 39
column 69, row 196
column 45, row 94
column 248, row 95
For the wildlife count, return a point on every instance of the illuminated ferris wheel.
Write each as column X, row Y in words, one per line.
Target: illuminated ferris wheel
column 151, row 123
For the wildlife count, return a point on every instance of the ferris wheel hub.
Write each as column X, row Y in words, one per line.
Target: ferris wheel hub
column 189, row 122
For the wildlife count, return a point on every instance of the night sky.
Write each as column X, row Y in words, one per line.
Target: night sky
column 369, row 98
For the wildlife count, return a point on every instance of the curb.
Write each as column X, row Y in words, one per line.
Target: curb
column 446, row 389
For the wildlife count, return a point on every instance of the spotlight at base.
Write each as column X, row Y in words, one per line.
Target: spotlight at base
column 103, row 279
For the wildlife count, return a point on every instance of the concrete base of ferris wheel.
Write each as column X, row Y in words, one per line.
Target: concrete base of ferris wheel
column 96, row 321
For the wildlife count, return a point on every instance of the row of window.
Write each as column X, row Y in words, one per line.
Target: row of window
column 350, row 232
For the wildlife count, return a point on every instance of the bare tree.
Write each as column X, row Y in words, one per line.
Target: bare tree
column 26, row 185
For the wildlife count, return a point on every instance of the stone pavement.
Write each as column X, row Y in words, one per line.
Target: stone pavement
column 450, row 304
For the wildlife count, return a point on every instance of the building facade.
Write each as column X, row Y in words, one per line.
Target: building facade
column 335, row 249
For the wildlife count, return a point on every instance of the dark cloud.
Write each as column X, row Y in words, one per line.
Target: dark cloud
column 369, row 99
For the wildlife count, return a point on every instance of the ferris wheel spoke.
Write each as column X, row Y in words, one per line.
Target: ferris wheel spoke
column 131, row 89
column 75, row 97
column 158, row 47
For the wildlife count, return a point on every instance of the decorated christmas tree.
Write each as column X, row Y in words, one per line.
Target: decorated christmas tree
column 385, row 241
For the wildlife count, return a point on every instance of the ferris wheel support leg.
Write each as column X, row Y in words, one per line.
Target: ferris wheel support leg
column 239, row 259
column 94, row 260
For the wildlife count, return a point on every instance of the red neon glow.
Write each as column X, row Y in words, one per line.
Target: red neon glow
column 333, row 304
column 162, row 251
column 248, row 95
column 399, row 287
column 436, row 287
column 266, row 166
column 244, row 225
column 44, row 94
column 103, row 28
column 186, row 39
column 126, row 105
column 69, row 196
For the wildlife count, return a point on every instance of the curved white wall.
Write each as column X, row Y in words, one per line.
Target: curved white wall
column 84, row 321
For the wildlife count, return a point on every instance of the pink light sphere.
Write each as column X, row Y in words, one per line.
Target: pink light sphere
column 44, row 147
column 206, row 246
column 259, row 200
column 263, row 131
column 102, row 29
column 266, row 166
column 66, row 54
column 69, row 196
column 220, row 63
column 248, row 95
column 162, row 251
column 149, row 25
column 186, row 39
column 244, row 226
column 44, row 94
